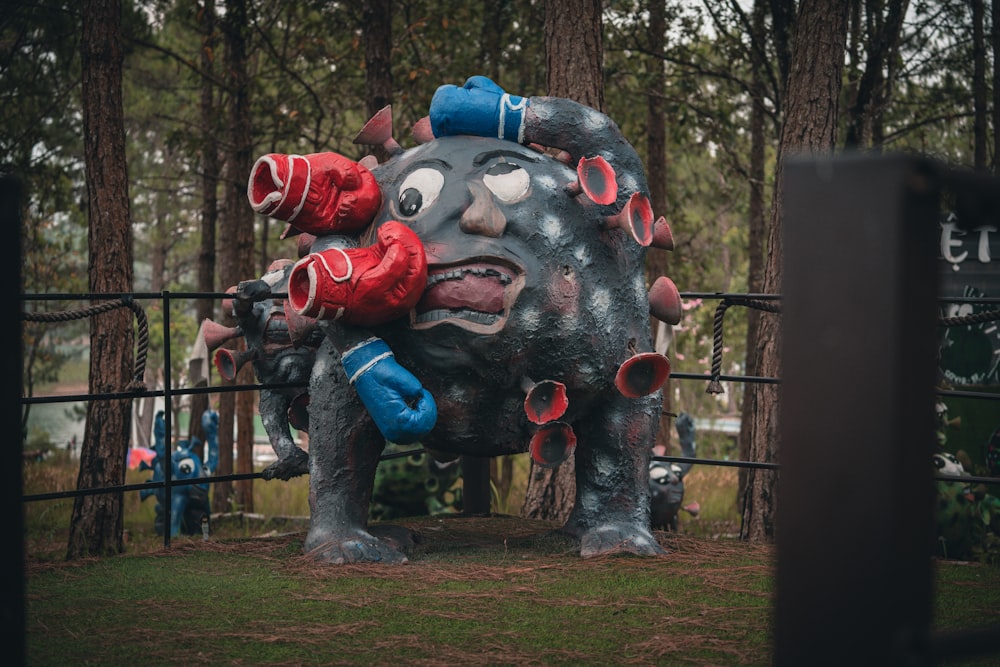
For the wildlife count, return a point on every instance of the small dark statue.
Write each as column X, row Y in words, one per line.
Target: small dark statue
column 666, row 481
column 263, row 322
column 189, row 507
column 483, row 294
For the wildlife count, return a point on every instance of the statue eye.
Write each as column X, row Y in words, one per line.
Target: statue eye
column 186, row 466
column 508, row 181
column 419, row 190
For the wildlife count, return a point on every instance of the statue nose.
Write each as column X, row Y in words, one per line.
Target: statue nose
column 482, row 217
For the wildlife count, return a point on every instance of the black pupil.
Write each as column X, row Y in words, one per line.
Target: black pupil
column 410, row 201
column 501, row 168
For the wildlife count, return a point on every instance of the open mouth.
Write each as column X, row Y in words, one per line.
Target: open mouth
column 477, row 295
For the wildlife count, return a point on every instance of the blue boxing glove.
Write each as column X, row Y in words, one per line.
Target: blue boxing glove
column 480, row 108
column 402, row 409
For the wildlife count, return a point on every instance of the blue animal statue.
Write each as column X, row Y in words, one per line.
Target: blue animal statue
column 189, row 507
column 666, row 481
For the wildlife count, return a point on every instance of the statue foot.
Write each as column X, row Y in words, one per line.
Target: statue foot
column 619, row 539
column 293, row 465
column 360, row 547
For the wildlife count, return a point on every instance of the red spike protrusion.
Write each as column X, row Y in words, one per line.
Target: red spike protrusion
column 665, row 301
column 378, row 131
column 545, row 401
column 642, row 374
column 422, row 132
column 663, row 237
column 597, row 180
column 552, row 444
column 636, row 218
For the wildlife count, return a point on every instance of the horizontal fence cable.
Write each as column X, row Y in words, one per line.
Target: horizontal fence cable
column 137, row 389
column 761, row 302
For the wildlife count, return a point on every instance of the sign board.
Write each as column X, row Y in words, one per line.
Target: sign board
column 970, row 269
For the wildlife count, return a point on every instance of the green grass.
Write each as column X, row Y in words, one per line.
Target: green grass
column 500, row 600
column 495, row 590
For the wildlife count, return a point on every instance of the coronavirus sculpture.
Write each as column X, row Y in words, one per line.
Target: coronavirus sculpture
column 482, row 293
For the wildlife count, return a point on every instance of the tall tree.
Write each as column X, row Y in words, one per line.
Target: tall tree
column 377, row 21
column 757, row 221
column 208, row 114
column 657, row 264
column 96, row 527
column 574, row 55
column 236, row 253
column 979, row 87
column 995, row 48
column 809, row 127
column 872, row 92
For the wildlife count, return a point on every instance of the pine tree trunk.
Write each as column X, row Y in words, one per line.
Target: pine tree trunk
column 205, row 308
column 658, row 263
column 97, row 520
column 810, row 126
column 236, row 256
column 377, row 15
column 757, row 232
column 979, row 85
column 574, row 53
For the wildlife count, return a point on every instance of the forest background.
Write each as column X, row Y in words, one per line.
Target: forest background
column 698, row 87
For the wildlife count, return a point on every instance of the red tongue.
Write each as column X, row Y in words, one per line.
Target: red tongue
column 480, row 293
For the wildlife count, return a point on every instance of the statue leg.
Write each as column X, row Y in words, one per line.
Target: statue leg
column 292, row 460
column 344, row 449
column 611, row 513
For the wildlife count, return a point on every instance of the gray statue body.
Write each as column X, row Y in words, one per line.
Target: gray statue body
column 527, row 282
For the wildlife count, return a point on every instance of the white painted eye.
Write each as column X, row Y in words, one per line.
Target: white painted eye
column 419, row 190
column 186, row 466
column 509, row 182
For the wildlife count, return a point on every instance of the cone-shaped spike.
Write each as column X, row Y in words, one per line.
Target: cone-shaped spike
column 378, row 131
column 598, row 180
column 300, row 327
column 545, row 401
column 642, row 374
column 229, row 362
column 422, row 132
column 665, row 301
column 216, row 334
column 552, row 444
column 304, row 246
column 663, row 237
column 636, row 218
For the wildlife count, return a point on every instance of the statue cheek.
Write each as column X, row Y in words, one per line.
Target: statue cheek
column 563, row 292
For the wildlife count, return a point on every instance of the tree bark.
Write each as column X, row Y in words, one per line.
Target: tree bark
column 995, row 47
column 809, row 127
column 205, row 308
column 574, row 54
column 377, row 17
column 979, row 85
column 875, row 84
column 236, row 254
column 657, row 262
column 96, row 526
column 757, row 231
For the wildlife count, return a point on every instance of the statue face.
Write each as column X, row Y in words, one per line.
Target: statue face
column 508, row 249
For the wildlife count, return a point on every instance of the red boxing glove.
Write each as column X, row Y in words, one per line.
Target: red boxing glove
column 322, row 193
column 362, row 286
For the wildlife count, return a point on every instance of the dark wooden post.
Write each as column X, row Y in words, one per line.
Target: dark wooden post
column 860, row 331
column 475, row 485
